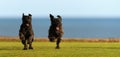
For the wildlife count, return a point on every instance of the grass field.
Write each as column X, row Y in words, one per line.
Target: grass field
column 68, row 49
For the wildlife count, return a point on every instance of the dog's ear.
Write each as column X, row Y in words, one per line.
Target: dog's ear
column 51, row 17
column 23, row 14
column 30, row 16
column 60, row 18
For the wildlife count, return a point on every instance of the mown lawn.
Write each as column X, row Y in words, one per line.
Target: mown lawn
column 68, row 49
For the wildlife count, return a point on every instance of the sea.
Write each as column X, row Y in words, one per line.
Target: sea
column 73, row 27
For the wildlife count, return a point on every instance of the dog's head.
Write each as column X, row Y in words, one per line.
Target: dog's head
column 26, row 19
column 56, row 22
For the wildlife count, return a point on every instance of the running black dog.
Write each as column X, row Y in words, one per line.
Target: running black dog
column 55, row 30
column 26, row 33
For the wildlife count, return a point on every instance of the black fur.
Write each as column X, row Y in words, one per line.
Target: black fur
column 55, row 30
column 26, row 33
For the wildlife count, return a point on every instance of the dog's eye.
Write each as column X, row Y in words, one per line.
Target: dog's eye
column 53, row 23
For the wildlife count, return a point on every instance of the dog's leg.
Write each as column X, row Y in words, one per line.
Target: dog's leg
column 30, row 40
column 58, row 42
column 23, row 40
column 25, row 44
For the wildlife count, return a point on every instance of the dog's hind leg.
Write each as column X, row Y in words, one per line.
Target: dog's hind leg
column 23, row 40
column 25, row 44
column 30, row 40
column 58, row 42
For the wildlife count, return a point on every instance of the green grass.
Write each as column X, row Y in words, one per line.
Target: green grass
column 68, row 49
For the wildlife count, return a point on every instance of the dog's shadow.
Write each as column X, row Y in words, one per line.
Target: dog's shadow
column 19, row 48
column 101, row 47
column 10, row 48
column 91, row 47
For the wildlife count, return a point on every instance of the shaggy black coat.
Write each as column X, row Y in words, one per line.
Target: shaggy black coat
column 55, row 30
column 26, row 33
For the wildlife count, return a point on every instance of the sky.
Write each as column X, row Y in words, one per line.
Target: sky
column 66, row 8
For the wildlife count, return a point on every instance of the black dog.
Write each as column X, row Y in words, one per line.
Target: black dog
column 55, row 30
column 26, row 33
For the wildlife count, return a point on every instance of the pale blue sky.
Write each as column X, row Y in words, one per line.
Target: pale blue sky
column 72, row 8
